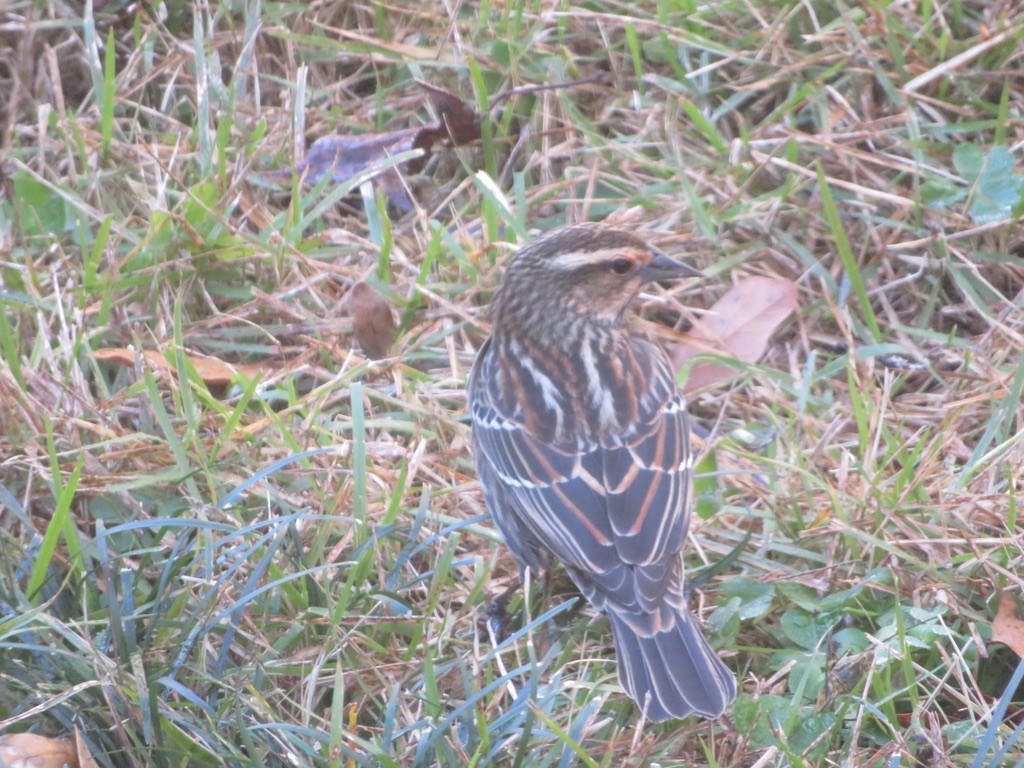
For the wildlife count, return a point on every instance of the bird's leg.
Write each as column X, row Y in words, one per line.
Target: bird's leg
column 497, row 611
column 548, row 585
column 498, row 605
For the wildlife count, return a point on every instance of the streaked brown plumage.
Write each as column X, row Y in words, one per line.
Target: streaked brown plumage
column 581, row 441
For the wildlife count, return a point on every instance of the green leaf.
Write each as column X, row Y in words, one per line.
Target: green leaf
column 996, row 199
column 968, row 160
column 846, row 255
column 998, row 162
column 809, row 731
column 59, row 523
column 849, row 640
column 802, row 596
column 940, row 194
column 803, row 629
column 837, row 601
column 999, row 187
column 755, row 597
column 723, row 623
column 806, row 678
column 40, row 209
column 996, row 187
column 758, row 718
column 708, row 498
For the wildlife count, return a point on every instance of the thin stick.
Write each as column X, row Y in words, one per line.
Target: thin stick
column 503, row 95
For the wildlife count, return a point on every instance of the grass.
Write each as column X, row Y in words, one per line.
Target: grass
column 294, row 570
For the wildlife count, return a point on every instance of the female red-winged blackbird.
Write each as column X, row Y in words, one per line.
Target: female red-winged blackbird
column 582, row 445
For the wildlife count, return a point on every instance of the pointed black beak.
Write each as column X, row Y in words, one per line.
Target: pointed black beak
column 661, row 267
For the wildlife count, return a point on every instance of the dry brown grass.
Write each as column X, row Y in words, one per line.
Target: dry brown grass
column 878, row 484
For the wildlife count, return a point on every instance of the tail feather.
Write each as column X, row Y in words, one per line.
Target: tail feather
column 676, row 668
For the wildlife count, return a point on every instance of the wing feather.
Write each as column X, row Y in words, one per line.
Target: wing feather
column 616, row 515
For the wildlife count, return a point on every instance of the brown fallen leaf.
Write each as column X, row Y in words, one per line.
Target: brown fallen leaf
column 29, row 750
column 85, row 758
column 459, row 123
column 215, row 373
column 373, row 323
column 739, row 325
column 1008, row 628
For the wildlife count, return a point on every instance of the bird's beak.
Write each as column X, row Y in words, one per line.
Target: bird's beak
column 661, row 267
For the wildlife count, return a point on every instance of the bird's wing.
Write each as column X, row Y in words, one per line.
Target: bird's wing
column 616, row 515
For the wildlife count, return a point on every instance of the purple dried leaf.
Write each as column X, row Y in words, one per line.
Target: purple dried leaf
column 343, row 157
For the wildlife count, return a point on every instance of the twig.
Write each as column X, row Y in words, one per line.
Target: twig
column 503, row 95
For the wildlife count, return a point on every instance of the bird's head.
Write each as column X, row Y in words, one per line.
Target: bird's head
column 585, row 271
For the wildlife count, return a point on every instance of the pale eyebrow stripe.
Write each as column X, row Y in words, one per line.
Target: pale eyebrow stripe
column 576, row 259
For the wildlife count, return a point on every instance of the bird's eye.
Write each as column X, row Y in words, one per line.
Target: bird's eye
column 621, row 266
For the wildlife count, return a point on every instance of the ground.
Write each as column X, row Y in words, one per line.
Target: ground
column 231, row 538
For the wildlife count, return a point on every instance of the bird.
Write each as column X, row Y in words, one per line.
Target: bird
column 581, row 441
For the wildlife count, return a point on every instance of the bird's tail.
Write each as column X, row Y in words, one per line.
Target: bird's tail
column 673, row 672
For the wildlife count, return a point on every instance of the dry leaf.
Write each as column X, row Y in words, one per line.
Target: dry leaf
column 215, row 373
column 28, row 750
column 373, row 323
column 739, row 325
column 85, row 758
column 461, row 124
column 1008, row 628
column 343, row 157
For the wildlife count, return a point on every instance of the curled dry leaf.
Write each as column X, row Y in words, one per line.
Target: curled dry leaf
column 373, row 323
column 214, row 373
column 1008, row 628
column 343, row 157
column 739, row 325
column 459, row 124
column 28, row 750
